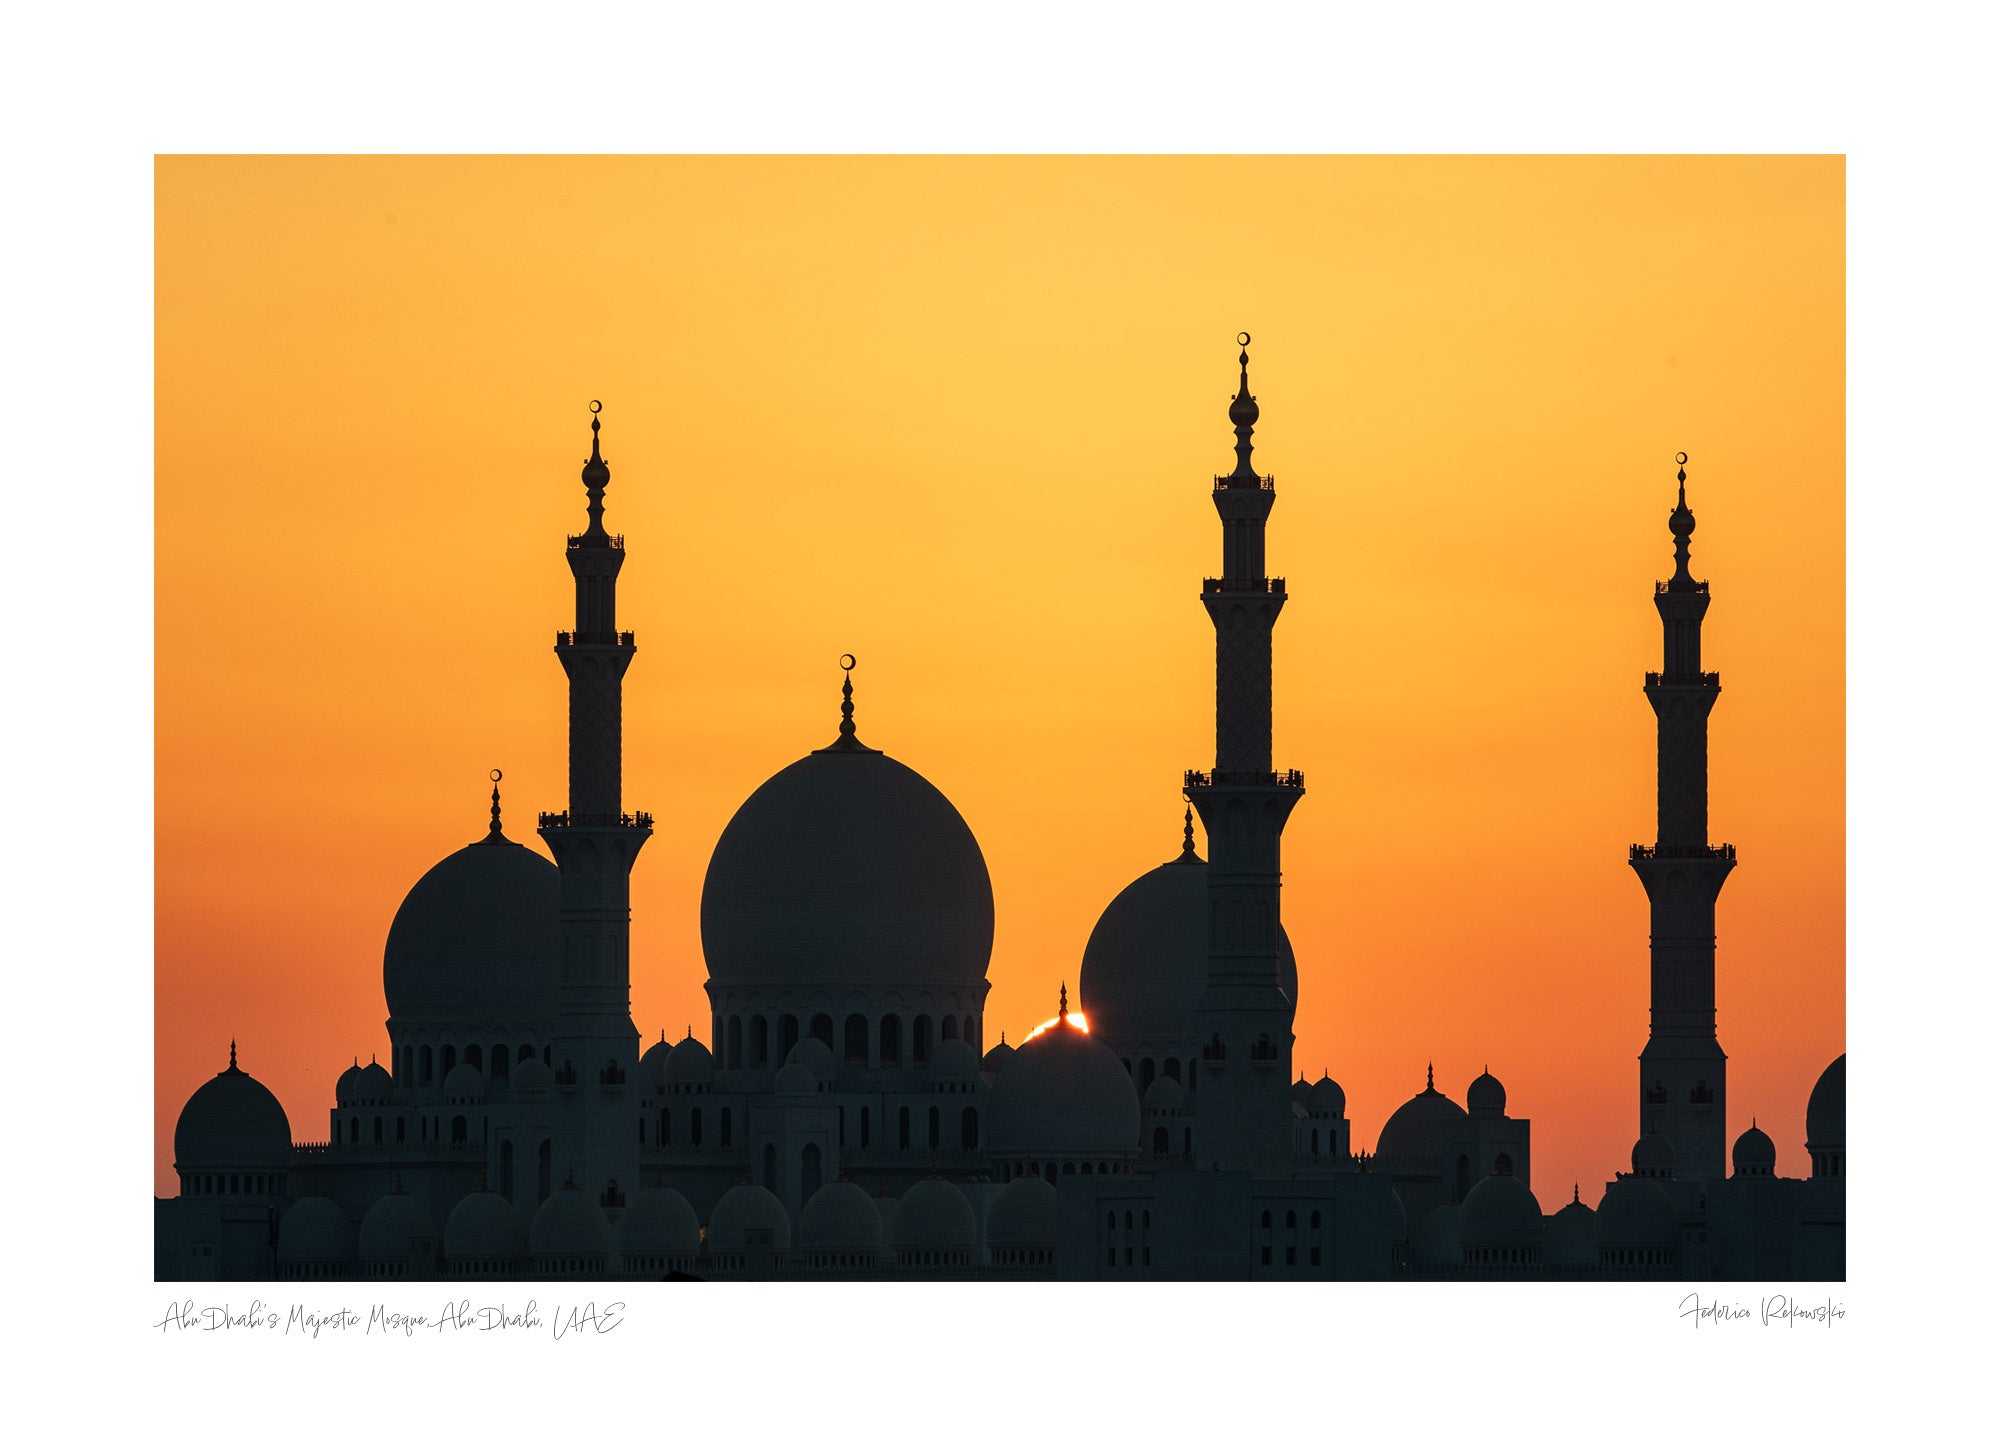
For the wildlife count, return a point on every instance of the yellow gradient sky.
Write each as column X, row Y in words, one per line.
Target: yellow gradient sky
column 959, row 417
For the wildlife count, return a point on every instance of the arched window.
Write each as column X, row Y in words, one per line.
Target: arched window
column 903, row 1129
column 856, row 1045
column 475, row 1056
column 808, row 1171
column 968, row 1129
column 546, row 1058
column 1145, row 1075
column 507, row 1170
column 1161, row 1142
column 822, row 1028
column 527, row 1051
column 458, row 1131
column 788, row 1035
column 499, row 1061
column 1172, row 1068
column 1111, row 1221
column 1193, row 1067
column 1463, row 1182
column 1291, row 1221
column 694, row 1128
column 399, row 1130
column 666, row 1127
column 892, row 1039
column 543, row 1163
column 735, row 1044
column 760, row 1041
column 407, row 1068
column 1504, row 1165
column 1187, row 1141
column 447, row 1059
column 770, row 1167
column 725, row 1126
column 934, row 1129
column 1069, row 1169
column 920, row 1038
column 1314, row 1223
column 354, row 1130
column 1265, row 1221
column 1315, row 1141
column 843, row 1127
column 424, row 1065
column 378, row 1131
column 948, row 1029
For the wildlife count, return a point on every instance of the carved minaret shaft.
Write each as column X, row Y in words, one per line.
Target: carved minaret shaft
column 1243, row 1103
column 595, row 844
column 1682, row 1087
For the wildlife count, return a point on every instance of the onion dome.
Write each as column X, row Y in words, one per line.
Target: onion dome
column 653, row 1065
column 1302, row 1091
column 484, row 1227
column 1486, row 1097
column 1146, row 963
column 1023, row 1218
column 1636, row 1215
column 1412, row 1140
column 1499, row 1213
column 464, row 1084
column 935, row 1225
column 659, row 1227
column 232, row 1123
column 1063, row 1093
column 315, row 1241
column 1327, row 1099
column 397, row 1238
column 743, row 1209
column 1755, row 1154
column 886, row 1206
column 841, row 1219
column 532, row 1080
column 1437, row 1240
column 345, row 1092
column 478, row 941
column 690, row 1062
column 996, row 1056
column 794, row 1079
column 570, row 1227
column 815, row 1056
column 1569, row 1237
column 849, row 866
column 1826, row 1121
column 952, row 1060
column 1653, row 1156
column 1165, row 1095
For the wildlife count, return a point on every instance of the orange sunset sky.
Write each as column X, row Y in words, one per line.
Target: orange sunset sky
column 959, row 417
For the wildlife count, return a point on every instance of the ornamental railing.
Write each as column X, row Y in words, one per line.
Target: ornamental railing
column 1225, row 778
column 1681, row 852
column 1699, row 680
column 1266, row 482
column 1667, row 586
column 568, row 639
column 567, row 819
column 1243, row 585
column 585, row 541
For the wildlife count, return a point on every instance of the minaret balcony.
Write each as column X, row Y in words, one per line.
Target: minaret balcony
column 1692, row 680
column 1223, row 778
column 1262, row 481
column 567, row 819
column 1671, row 852
column 584, row 540
column 1691, row 586
column 595, row 640
column 1244, row 585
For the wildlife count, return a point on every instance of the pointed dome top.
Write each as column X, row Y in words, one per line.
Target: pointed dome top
column 596, row 476
column 847, row 742
column 1680, row 523
column 1243, row 414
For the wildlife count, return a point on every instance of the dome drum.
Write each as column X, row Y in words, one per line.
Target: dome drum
column 757, row 1029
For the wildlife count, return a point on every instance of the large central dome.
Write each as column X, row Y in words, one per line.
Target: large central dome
column 847, row 868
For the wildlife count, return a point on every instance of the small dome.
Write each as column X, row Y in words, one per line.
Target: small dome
column 1754, row 1155
column 1146, row 963
column 1499, row 1212
column 484, row 1227
column 953, row 1061
column 840, row 1218
column 794, row 1079
column 344, row 1090
column 1327, row 1099
column 1653, row 1156
column 1569, row 1237
column 996, row 1056
column 1412, row 1141
column 690, row 1061
column 1167, row 1094
column 1826, row 1110
column 1486, row 1097
column 847, row 865
column 1023, row 1216
column 315, row 1232
column 815, row 1056
column 934, row 1216
column 746, row 1208
column 232, row 1123
column 532, row 1080
column 398, row 1228
column 374, row 1085
column 653, row 1066
column 659, row 1222
column 1302, row 1091
column 1437, row 1242
column 570, row 1224
column 1636, row 1213
column 464, row 1084
column 1063, row 1092
column 478, row 941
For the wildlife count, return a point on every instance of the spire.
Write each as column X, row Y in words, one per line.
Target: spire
column 1243, row 414
column 847, row 742
column 1062, row 1015
column 1187, row 837
column 1680, row 523
column 1430, row 1076
column 493, row 833
column 596, row 474
column 1576, row 1191
column 232, row 1055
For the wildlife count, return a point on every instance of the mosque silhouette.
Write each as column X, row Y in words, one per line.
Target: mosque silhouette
column 840, row 1121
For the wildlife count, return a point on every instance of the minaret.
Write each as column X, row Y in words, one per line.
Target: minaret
column 1682, row 1071
column 595, row 843
column 1243, row 1103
